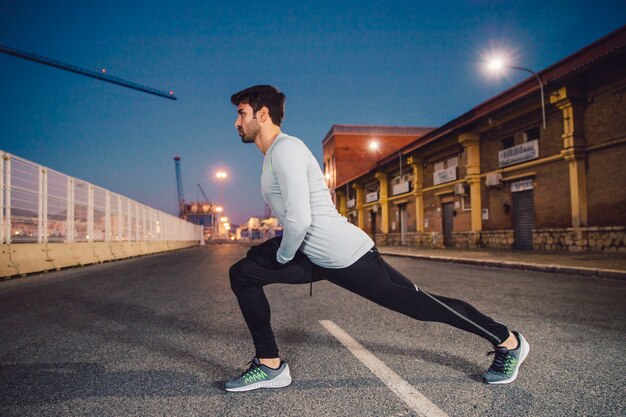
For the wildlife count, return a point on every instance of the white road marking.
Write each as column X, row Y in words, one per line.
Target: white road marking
column 412, row 397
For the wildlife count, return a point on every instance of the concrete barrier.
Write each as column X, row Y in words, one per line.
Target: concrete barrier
column 25, row 258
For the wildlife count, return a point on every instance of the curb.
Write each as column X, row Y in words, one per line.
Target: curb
column 560, row 269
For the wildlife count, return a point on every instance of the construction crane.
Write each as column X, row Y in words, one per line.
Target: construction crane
column 179, row 188
column 83, row 71
column 203, row 194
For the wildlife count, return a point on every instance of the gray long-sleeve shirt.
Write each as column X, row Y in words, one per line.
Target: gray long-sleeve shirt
column 293, row 185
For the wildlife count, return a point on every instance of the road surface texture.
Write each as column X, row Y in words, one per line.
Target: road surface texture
column 159, row 335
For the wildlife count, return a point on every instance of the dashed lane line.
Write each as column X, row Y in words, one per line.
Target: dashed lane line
column 412, row 397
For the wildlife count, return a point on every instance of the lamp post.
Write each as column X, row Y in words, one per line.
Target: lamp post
column 221, row 176
column 497, row 64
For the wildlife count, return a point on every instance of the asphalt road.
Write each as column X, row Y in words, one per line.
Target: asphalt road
column 159, row 335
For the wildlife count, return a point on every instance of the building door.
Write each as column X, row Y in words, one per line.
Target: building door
column 373, row 224
column 448, row 224
column 404, row 220
column 524, row 219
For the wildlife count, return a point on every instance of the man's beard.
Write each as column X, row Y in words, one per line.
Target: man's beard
column 250, row 136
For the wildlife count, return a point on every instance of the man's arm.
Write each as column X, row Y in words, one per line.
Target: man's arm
column 290, row 161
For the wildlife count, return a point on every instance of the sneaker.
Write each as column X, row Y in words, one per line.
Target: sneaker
column 260, row 376
column 506, row 363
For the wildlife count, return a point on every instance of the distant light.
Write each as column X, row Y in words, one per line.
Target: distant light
column 327, row 176
column 223, row 219
column 221, row 175
column 104, row 70
column 171, row 92
column 219, row 209
column 373, row 145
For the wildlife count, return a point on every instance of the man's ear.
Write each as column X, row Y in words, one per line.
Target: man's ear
column 264, row 114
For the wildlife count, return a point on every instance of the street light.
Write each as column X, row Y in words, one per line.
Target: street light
column 221, row 176
column 374, row 146
column 497, row 64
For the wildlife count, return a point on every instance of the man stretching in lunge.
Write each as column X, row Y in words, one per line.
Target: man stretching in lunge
column 318, row 243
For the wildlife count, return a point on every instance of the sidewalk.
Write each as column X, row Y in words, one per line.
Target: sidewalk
column 587, row 263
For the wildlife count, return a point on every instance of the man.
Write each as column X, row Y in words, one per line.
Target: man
column 318, row 243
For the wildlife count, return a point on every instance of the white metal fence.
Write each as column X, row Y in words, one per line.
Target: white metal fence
column 41, row 205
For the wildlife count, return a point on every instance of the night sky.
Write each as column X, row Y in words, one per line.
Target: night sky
column 403, row 63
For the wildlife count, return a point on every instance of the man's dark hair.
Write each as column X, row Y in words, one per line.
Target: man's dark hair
column 259, row 96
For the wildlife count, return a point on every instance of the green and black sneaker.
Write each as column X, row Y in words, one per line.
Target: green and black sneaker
column 506, row 363
column 260, row 376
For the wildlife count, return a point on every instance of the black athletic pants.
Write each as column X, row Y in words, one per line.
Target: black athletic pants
column 370, row 277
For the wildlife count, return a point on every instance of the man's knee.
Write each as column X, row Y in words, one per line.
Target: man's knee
column 235, row 275
column 238, row 276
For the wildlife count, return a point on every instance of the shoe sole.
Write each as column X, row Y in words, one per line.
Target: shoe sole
column 525, row 349
column 281, row 381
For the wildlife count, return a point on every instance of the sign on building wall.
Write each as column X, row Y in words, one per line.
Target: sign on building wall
column 371, row 197
column 351, row 203
column 401, row 187
column 520, row 153
column 522, row 185
column 444, row 175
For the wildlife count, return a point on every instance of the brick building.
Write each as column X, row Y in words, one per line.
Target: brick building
column 347, row 153
column 496, row 177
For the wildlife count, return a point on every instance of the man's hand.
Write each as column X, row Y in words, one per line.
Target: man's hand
column 265, row 253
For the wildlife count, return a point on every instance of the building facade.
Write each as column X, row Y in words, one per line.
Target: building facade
column 502, row 176
column 348, row 151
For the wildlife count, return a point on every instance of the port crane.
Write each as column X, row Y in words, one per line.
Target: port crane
column 99, row 75
column 203, row 194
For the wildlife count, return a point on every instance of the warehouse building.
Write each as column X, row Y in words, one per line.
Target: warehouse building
column 512, row 172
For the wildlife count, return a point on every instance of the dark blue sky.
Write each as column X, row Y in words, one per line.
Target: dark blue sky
column 405, row 63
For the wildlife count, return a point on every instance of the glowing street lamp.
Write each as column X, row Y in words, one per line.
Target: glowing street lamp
column 498, row 64
column 374, row 146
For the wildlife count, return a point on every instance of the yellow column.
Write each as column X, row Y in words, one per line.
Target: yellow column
column 359, row 205
column 578, row 187
column 566, row 99
column 471, row 142
column 383, row 196
column 341, row 197
column 418, row 185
